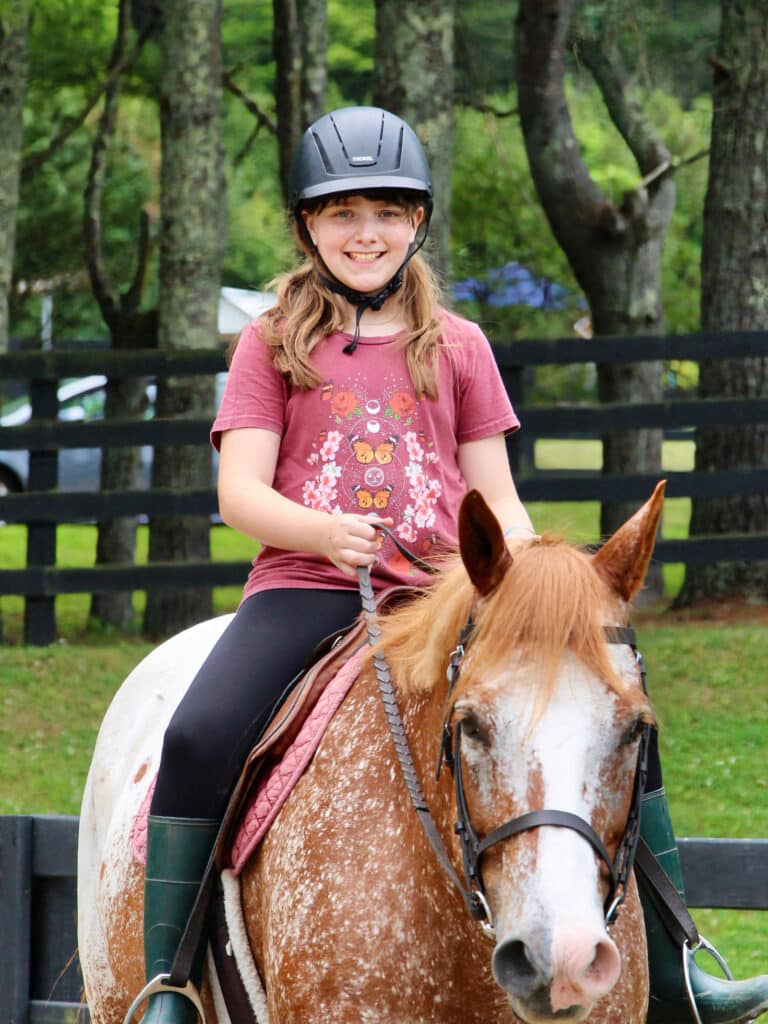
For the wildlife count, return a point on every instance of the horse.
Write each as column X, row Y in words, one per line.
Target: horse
column 502, row 665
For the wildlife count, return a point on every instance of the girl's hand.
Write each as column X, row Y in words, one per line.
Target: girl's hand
column 352, row 541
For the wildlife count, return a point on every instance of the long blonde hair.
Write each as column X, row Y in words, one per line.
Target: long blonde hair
column 307, row 311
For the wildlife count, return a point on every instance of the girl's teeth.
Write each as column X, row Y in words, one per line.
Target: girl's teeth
column 364, row 257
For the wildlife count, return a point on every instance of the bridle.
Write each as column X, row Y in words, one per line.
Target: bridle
column 473, row 847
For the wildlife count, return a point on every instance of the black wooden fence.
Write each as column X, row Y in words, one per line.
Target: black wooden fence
column 40, row 980
column 44, row 506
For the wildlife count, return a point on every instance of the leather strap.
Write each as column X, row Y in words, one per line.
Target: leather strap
column 397, row 730
column 668, row 902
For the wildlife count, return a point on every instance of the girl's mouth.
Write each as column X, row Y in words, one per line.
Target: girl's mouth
column 363, row 257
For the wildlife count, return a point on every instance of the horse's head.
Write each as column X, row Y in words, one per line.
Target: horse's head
column 550, row 716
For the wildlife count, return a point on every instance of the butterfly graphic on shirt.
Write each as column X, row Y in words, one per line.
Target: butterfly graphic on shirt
column 365, row 452
column 377, row 498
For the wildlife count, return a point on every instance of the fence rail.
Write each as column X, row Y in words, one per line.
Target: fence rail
column 44, row 507
column 40, row 980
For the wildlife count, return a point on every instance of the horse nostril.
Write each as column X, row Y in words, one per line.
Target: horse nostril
column 514, row 969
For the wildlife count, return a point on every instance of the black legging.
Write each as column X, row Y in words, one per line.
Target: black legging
column 230, row 699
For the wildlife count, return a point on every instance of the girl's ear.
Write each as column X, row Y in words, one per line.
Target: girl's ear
column 416, row 219
column 483, row 548
column 309, row 223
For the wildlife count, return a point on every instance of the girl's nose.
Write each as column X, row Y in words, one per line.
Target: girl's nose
column 367, row 227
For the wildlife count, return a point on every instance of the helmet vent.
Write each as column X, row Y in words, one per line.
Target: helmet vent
column 324, row 156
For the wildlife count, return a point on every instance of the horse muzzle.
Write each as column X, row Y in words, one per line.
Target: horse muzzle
column 557, row 979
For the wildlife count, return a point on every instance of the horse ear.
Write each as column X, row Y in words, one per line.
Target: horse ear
column 623, row 560
column 483, row 548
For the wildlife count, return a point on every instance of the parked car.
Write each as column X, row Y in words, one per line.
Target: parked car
column 79, row 468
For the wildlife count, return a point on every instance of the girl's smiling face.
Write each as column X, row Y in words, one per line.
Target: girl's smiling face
column 363, row 241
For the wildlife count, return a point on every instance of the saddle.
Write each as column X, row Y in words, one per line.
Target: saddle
column 300, row 698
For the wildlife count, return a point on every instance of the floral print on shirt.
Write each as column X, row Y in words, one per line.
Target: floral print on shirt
column 373, row 459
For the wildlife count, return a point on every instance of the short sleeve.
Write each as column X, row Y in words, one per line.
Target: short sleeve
column 484, row 408
column 255, row 394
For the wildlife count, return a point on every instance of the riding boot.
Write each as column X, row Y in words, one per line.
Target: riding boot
column 718, row 1000
column 177, row 853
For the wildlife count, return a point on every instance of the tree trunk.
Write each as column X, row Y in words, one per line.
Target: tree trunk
column 192, row 190
column 14, row 25
column 313, row 24
column 615, row 251
column 734, row 294
column 121, row 470
column 128, row 328
column 299, row 43
column 286, row 45
column 413, row 67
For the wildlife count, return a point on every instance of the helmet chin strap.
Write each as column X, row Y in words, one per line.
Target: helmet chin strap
column 361, row 301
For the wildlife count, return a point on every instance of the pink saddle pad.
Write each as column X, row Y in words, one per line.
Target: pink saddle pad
column 276, row 786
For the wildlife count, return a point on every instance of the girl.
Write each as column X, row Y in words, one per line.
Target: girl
column 355, row 401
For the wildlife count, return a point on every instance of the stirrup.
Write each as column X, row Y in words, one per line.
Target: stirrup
column 160, row 984
column 688, row 954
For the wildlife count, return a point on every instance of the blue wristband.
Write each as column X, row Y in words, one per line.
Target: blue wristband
column 518, row 529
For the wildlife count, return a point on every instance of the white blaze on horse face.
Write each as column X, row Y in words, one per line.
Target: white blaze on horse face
column 548, row 896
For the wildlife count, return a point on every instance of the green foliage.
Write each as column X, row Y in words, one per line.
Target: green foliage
column 350, row 52
column 496, row 213
column 496, row 218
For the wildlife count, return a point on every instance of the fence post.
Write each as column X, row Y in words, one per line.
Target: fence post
column 15, row 914
column 40, row 609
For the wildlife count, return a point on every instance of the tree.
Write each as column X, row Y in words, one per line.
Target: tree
column 614, row 250
column 14, row 25
column 129, row 327
column 192, row 189
column 734, row 294
column 300, row 40
column 413, row 67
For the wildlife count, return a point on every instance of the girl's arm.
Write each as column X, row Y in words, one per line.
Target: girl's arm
column 249, row 504
column 485, row 467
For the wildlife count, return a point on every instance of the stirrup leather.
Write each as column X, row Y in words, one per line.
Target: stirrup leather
column 159, row 984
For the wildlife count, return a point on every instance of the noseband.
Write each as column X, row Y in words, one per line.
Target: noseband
column 473, row 847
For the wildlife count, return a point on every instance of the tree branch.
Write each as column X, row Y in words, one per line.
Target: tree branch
column 574, row 203
column 94, row 254
column 250, row 105
column 130, row 299
column 604, row 62
column 32, row 164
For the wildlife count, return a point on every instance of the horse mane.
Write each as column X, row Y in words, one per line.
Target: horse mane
column 550, row 601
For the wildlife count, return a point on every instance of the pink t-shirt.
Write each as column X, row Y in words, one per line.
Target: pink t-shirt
column 362, row 442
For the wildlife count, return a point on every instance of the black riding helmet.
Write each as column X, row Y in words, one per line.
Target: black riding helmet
column 357, row 150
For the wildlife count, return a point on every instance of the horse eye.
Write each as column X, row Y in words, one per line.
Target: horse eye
column 633, row 733
column 472, row 728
